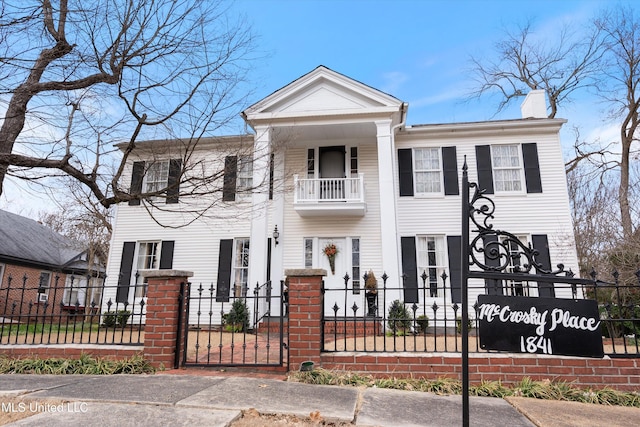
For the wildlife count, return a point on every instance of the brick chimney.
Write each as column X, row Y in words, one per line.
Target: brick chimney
column 534, row 105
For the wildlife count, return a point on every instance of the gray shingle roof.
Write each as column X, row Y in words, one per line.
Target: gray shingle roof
column 23, row 239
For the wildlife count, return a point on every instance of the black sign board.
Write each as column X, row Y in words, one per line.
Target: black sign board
column 540, row 325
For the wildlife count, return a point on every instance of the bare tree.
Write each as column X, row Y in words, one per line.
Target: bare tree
column 526, row 62
column 78, row 76
column 622, row 28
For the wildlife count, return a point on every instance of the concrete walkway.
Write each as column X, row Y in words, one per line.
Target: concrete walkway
column 194, row 400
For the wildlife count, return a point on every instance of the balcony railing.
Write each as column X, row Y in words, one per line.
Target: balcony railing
column 329, row 196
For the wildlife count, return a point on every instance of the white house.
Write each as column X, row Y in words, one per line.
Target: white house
column 332, row 161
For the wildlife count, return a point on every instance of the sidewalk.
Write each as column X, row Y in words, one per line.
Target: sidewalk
column 194, row 400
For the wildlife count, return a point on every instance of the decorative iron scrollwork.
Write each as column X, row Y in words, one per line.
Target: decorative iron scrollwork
column 501, row 251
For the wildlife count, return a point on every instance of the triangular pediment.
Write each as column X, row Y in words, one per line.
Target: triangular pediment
column 323, row 91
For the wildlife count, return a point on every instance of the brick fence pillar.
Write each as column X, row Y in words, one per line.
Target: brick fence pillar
column 162, row 327
column 305, row 315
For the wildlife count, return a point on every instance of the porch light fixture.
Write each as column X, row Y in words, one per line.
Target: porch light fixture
column 276, row 235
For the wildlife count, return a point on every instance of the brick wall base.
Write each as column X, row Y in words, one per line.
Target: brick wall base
column 619, row 374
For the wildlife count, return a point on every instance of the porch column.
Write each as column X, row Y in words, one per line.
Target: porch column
column 388, row 221
column 259, row 208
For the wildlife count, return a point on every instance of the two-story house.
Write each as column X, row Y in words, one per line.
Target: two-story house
column 332, row 162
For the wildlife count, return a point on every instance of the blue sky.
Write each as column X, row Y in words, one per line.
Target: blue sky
column 416, row 50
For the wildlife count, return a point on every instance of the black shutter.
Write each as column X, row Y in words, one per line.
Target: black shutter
column 173, row 184
column 271, row 171
column 224, row 270
column 166, row 255
column 493, row 286
column 409, row 269
column 230, row 174
column 541, row 244
column 136, row 182
column 124, row 277
column 485, row 172
column 450, row 171
column 454, row 246
column 405, row 171
column 531, row 167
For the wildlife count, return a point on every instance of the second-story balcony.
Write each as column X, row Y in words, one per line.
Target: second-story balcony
column 329, row 196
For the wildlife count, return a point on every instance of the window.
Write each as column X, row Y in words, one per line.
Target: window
column 515, row 287
column 75, row 291
column 148, row 254
column 427, row 170
column 241, row 267
column 431, row 260
column 507, row 168
column 311, row 163
column 355, row 264
column 245, row 174
column 308, row 253
column 157, row 176
column 43, row 284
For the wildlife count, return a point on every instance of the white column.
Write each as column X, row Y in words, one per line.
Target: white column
column 259, row 208
column 388, row 220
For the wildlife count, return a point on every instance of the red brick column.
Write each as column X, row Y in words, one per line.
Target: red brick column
column 163, row 306
column 305, row 316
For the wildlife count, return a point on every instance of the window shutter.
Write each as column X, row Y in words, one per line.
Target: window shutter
column 450, row 171
column 541, row 244
column 409, row 269
column 224, row 270
column 124, row 277
column 136, row 182
column 454, row 246
column 483, row 164
column 173, row 184
column 405, row 171
column 271, row 172
column 166, row 255
column 230, row 174
column 531, row 167
column 493, row 286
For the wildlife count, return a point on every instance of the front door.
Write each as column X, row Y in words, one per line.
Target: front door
column 334, row 281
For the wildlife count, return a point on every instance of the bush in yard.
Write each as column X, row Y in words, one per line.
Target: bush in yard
column 399, row 319
column 115, row 318
column 237, row 320
column 422, row 322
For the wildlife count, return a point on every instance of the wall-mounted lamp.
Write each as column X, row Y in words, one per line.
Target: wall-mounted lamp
column 276, row 235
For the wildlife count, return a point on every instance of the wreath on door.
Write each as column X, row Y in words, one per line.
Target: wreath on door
column 330, row 251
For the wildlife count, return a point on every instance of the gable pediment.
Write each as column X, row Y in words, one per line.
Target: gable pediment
column 323, row 92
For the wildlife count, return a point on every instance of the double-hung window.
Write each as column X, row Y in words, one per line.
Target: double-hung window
column 515, row 250
column 431, row 261
column 241, row 267
column 427, row 170
column 148, row 257
column 157, row 176
column 245, row 174
column 507, row 168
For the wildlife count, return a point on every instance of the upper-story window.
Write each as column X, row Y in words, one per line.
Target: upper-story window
column 427, row 170
column 245, row 174
column 432, row 170
column 156, row 177
column 238, row 177
column 507, row 169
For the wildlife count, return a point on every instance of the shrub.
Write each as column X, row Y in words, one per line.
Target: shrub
column 115, row 318
column 399, row 318
column 422, row 322
column 237, row 320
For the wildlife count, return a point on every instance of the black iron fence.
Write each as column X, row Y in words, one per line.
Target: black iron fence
column 384, row 321
column 246, row 328
column 67, row 311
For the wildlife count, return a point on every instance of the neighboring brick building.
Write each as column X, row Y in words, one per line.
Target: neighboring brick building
column 42, row 271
